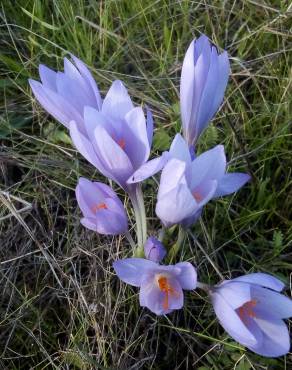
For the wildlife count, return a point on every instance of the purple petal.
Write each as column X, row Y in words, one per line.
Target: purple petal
column 231, row 322
column 230, row 183
column 117, row 102
column 271, row 303
column 48, row 77
column 149, row 168
column 210, row 165
column 87, row 75
column 188, row 276
column 154, row 250
column 133, row 270
column 88, row 195
column 93, row 119
column 235, row 293
column 172, row 175
column 275, row 338
column 262, row 279
column 205, row 191
column 223, row 74
column 150, row 125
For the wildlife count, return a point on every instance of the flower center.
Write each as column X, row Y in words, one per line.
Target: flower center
column 166, row 288
column 122, row 143
column 197, row 196
column 99, row 206
column 247, row 310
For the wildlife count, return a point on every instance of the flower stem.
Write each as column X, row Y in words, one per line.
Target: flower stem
column 130, row 240
column 203, row 286
column 137, row 200
column 176, row 246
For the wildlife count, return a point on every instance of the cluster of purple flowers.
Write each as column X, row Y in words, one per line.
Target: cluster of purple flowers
column 116, row 138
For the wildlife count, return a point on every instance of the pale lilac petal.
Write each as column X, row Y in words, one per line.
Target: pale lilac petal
column 205, row 191
column 54, row 104
column 149, row 168
column 88, row 195
column 117, row 102
column 92, row 119
column 235, row 293
column 204, row 112
column 210, row 165
column 223, row 74
column 85, row 147
column 231, row 322
column 87, row 75
column 48, row 77
column 172, row 175
column 271, row 303
column 112, row 157
column 175, row 206
column 179, row 149
column 275, row 340
column 133, row 270
column 262, row 279
column 137, row 143
column 230, row 183
column 188, row 276
column 110, row 223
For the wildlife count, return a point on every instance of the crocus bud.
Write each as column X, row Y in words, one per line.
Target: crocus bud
column 102, row 210
column 154, row 249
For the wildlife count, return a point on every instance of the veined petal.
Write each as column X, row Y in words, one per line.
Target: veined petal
column 188, row 276
column 231, row 322
column 87, row 75
column 88, row 195
column 235, row 293
column 230, row 183
column 92, row 119
column 262, row 279
column 210, row 165
column 133, row 270
column 48, row 77
column 149, row 169
column 223, row 74
column 117, row 102
column 112, row 157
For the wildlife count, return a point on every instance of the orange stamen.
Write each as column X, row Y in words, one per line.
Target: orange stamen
column 197, row 196
column 99, row 206
column 122, row 143
column 247, row 310
column 166, row 288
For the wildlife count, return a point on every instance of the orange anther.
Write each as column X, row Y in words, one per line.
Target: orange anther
column 99, row 206
column 247, row 310
column 166, row 288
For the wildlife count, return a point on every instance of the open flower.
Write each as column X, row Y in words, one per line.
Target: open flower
column 251, row 309
column 161, row 287
column 186, row 185
column 203, row 82
column 102, row 210
column 65, row 94
column 117, row 140
column 154, row 250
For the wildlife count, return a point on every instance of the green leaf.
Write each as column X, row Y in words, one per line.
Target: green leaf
column 161, row 140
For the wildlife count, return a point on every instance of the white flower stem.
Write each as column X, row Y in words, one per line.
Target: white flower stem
column 130, row 240
column 176, row 246
column 203, row 286
column 137, row 200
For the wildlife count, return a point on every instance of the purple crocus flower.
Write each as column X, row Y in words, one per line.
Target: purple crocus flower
column 154, row 250
column 160, row 286
column 203, row 82
column 186, row 185
column 65, row 94
column 117, row 140
column 102, row 210
column 251, row 309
